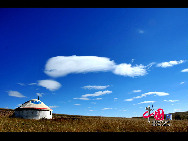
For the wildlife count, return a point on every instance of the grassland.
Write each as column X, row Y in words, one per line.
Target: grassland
column 71, row 123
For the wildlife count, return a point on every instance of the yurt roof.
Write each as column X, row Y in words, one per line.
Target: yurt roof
column 34, row 104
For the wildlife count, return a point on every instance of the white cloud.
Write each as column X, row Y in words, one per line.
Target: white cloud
column 149, row 93
column 64, row 65
column 39, row 94
column 130, row 99
column 99, row 93
column 82, row 98
column 128, row 70
column 53, row 106
column 171, row 100
column 32, row 84
column 15, row 94
column 182, row 83
column 169, row 64
column 95, row 87
column 155, row 93
column 146, row 102
column 49, row 84
column 184, row 70
column 106, row 108
column 136, row 91
column 21, row 84
column 77, row 104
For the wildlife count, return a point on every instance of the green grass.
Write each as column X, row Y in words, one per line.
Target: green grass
column 73, row 123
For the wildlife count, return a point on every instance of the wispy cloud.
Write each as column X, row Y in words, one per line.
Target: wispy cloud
column 32, row 84
column 149, row 93
column 150, row 65
column 95, row 87
column 39, row 94
column 15, row 94
column 136, row 91
column 171, row 100
column 99, row 93
column 21, row 84
column 169, row 64
column 153, row 93
column 82, row 98
column 77, row 104
column 53, row 106
column 184, row 70
column 130, row 99
column 106, row 108
column 97, row 99
column 51, row 85
column 146, row 102
column 182, row 83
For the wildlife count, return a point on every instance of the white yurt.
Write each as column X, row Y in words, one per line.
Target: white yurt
column 33, row 109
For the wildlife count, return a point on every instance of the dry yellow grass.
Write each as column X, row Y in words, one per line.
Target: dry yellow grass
column 67, row 123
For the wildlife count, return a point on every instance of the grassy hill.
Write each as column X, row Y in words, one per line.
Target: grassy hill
column 77, row 123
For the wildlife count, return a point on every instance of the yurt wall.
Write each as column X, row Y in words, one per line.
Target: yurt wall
column 33, row 114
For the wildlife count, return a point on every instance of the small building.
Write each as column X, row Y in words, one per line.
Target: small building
column 33, row 109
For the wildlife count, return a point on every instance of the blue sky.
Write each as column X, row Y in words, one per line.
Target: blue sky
column 98, row 61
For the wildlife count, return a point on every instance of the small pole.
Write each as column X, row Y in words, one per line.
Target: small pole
column 149, row 109
column 149, row 113
column 38, row 97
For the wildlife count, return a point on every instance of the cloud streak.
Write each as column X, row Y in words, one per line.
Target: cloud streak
column 106, row 109
column 148, row 93
column 15, row 94
column 169, row 64
column 171, row 100
column 99, row 93
column 146, row 102
column 95, row 87
column 136, row 91
column 82, row 98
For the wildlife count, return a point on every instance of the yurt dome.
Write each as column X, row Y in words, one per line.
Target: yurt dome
column 33, row 109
